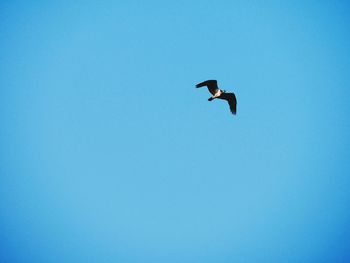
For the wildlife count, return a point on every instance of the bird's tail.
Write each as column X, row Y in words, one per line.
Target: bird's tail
column 210, row 99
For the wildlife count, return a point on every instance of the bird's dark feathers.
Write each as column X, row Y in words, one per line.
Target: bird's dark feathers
column 232, row 101
column 220, row 94
column 211, row 84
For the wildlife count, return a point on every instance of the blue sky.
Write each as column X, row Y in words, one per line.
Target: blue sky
column 109, row 153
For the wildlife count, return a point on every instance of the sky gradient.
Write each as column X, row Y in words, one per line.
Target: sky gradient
column 110, row 154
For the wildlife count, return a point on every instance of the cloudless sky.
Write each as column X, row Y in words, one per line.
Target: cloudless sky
column 110, row 154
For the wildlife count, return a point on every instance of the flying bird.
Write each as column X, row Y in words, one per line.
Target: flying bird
column 217, row 93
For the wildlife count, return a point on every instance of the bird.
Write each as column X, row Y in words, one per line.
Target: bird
column 217, row 93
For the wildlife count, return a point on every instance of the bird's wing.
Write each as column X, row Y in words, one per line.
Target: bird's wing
column 232, row 101
column 211, row 84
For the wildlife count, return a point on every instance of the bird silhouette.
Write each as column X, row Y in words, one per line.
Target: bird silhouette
column 217, row 93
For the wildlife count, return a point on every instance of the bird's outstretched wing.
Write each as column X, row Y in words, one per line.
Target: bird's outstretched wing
column 211, row 84
column 232, row 101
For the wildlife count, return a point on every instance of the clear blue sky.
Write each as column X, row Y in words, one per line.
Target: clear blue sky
column 109, row 153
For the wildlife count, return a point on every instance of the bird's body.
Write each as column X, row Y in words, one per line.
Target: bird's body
column 220, row 94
